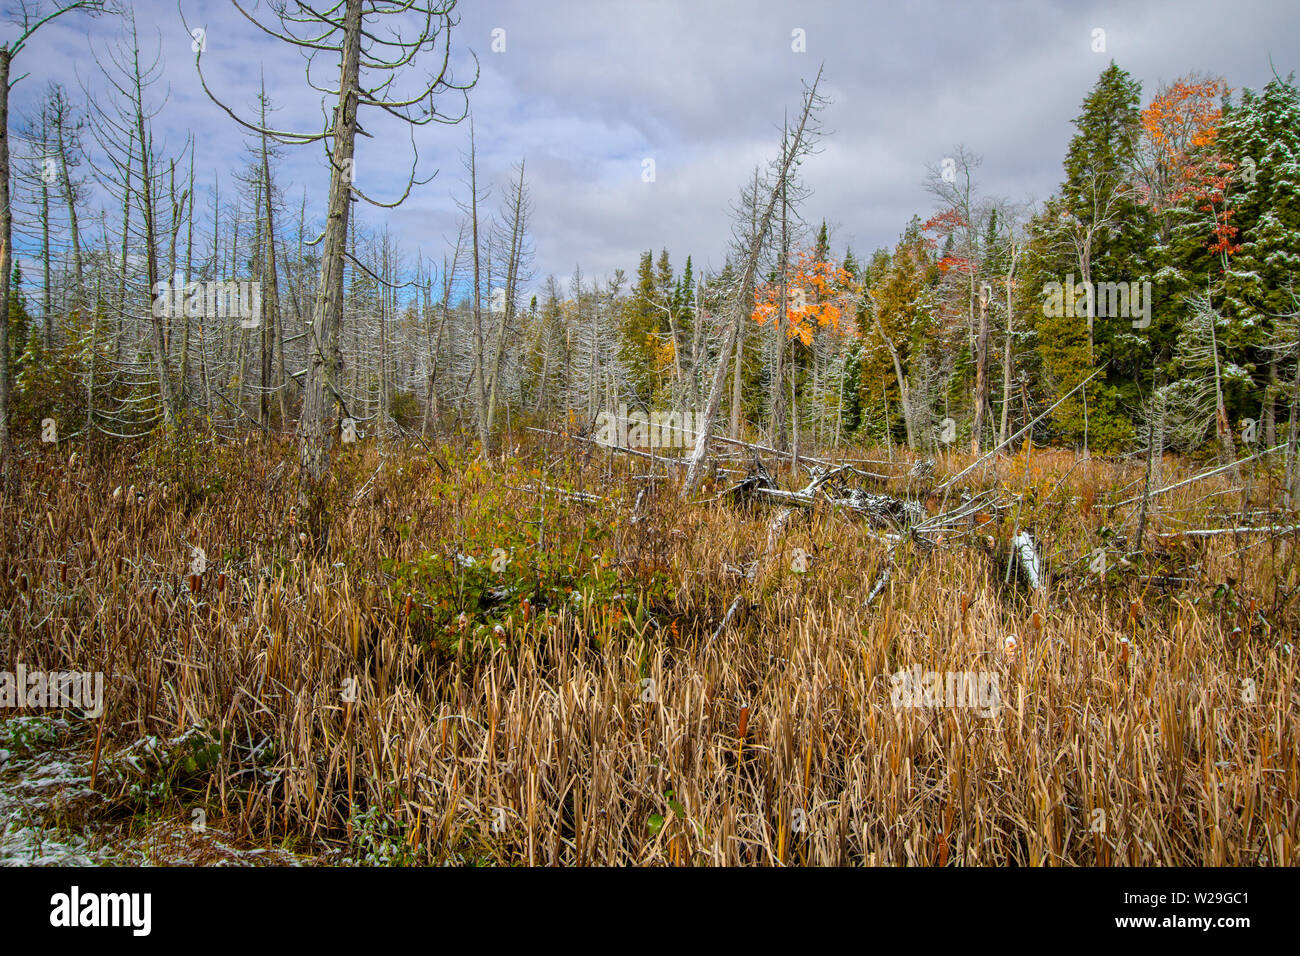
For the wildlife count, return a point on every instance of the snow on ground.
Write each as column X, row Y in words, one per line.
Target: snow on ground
column 45, row 793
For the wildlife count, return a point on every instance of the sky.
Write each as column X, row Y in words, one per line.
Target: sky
column 587, row 91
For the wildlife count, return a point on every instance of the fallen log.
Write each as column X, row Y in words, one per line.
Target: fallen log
column 1211, row 532
column 881, row 580
column 618, row 448
column 1198, row 477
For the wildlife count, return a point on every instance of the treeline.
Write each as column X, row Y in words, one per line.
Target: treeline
column 1161, row 275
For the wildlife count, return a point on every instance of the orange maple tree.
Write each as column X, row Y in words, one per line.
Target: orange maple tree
column 1180, row 129
column 818, row 293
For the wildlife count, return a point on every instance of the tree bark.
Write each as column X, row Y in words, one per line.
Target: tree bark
column 325, row 360
column 742, row 304
column 1006, row 356
column 6, row 244
column 981, row 373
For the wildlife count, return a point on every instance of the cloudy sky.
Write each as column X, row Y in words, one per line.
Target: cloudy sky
column 588, row 90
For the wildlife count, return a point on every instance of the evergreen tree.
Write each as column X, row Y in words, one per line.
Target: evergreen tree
column 1261, row 138
column 641, row 322
column 1095, row 231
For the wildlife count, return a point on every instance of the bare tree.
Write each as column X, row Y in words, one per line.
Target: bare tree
column 66, row 130
column 1012, row 254
column 749, row 239
column 471, row 210
column 952, row 183
column 133, row 168
column 28, row 18
column 516, row 212
column 1106, row 199
column 1198, row 350
column 373, row 48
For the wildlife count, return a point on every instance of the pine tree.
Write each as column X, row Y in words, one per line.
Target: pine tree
column 1261, row 138
column 1095, row 231
column 639, row 327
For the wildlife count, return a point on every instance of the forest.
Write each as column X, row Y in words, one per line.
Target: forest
column 320, row 546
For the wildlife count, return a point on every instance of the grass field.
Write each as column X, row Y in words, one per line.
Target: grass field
column 519, row 660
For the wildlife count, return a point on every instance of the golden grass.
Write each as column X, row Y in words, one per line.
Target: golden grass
column 323, row 647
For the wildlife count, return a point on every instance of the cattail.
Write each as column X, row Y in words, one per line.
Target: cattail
column 1123, row 649
column 221, row 581
column 302, row 539
column 1011, row 645
column 743, row 724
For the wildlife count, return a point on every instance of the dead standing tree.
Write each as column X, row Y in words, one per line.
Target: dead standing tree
column 750, row 238
column 515, row 213
column 29, row 18
column 374, row 45
column 132, row 167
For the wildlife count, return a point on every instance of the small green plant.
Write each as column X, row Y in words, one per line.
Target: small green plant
column 380, row 839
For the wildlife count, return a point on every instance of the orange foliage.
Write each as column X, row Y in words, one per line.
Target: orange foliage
column 944, row 224
column 817, row 295
column 1182, row 120
column 1181, row 128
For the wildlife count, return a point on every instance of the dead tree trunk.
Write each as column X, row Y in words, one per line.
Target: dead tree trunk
column 744, row 296
column 6, row 244
column 981, row 371
column 517, row 209
column 324, row 358
column 1006, row 356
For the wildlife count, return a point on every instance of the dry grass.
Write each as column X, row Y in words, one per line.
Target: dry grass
column 580, row 714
